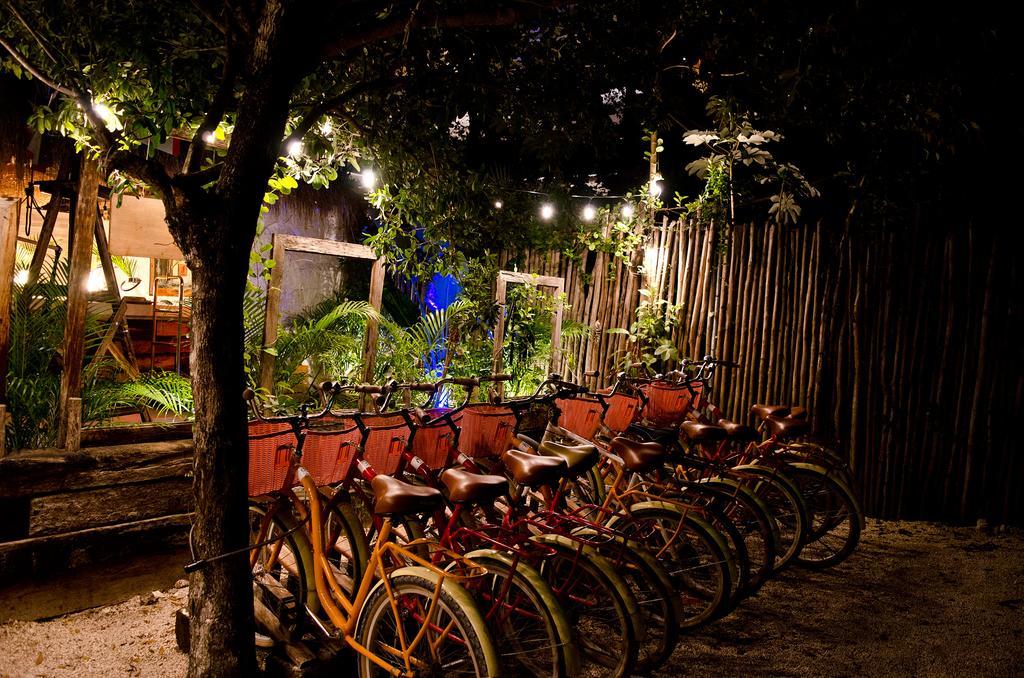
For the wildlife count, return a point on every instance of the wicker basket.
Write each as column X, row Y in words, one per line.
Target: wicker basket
column 330, row 449
column 485, row 430
column 270, row 452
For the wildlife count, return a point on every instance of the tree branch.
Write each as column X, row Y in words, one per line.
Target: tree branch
column 224, row 95
column 209, row 15
column 198, row 178
column 146, row 169
column 335, row 103
column 494, row 17
column 36, row 73
column 28, row 28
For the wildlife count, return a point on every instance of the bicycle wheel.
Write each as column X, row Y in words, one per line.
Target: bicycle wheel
column 526, row 621
column 752, row 518
column 734, row 539
column 456, row 641
column 786, row 505
column 345, row 544
column 836, row 518
column 810, row 452
column 282, row 569
column 651, row 584
column 598, row 603
column 589, row 488
column 694, row 554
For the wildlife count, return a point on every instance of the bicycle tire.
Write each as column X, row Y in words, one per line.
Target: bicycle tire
column 292, row 574
column 787, row 507
column 652, row 586
column 695, row 554
column 553, row 636
column 823, row 493
column 455, row 603
column 575, row 570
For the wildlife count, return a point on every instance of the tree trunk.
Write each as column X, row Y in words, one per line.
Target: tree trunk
column 220, row 596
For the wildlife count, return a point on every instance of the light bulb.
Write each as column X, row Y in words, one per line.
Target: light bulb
column 108, row 116
column 294, row 148
column 368, row 178
column 21, row 277
column 627, row 210
column 655, row 188
column 326, row 127
column 498, row 204
column 589, row 213
column 547, row 210
column 97, row 281
column 209, row 136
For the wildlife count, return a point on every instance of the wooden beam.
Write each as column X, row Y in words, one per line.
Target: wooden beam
column 531, row 279
column 8, row 249
column 45, row 235
column 334, row 248
column 282, row 245
column 556, row 285
column 103, row 248
column 78, row 278
column 108, row 338
column 556, row 329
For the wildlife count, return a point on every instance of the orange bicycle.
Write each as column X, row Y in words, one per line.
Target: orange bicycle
column 405, row 615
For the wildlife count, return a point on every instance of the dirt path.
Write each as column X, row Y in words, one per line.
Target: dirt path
column 916, row 599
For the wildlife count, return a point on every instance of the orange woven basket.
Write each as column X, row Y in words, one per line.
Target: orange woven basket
column 330, row 449
column 386, row 440
column 581, row 416
column 667, row 404
column 485, row 430
column 434, row 444
column 622, row 411
column 270, row 452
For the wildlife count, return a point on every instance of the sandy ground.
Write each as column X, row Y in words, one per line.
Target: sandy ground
column 916, row 599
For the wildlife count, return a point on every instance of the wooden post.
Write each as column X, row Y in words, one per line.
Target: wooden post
column 556, row 331
column 376, row 298
column 78, row 278
column 8, row 248
column 73, row 425
column 499, row 326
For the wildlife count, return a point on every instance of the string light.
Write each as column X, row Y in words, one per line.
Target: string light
column 326, row 127
column 209, row 136
column 21, row 277
column 294, row 148
column 589, row 212
column 498, row 204
column 368, row 178
column 655, row 188
column 627, row 210
column 547, row 210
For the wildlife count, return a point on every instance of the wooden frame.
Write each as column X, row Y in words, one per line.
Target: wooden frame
column 501, row 287
column 282, row 244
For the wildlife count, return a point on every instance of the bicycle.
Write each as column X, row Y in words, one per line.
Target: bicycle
column 405, row 615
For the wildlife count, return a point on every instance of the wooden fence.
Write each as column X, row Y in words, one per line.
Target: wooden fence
column 906, row 346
